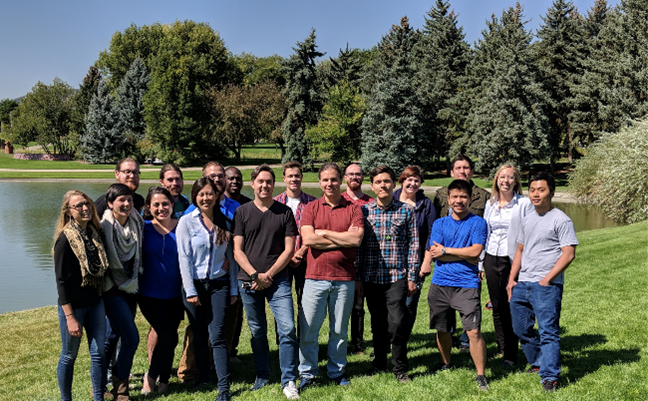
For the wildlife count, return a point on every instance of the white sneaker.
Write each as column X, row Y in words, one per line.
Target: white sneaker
column 290, row 391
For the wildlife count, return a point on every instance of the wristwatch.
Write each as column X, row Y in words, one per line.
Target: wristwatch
column 443, row 251
column 254, row 276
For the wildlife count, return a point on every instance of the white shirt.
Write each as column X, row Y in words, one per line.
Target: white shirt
column 499, row 221
column 293, row 203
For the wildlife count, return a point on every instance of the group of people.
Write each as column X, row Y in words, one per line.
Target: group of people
column 220, row 252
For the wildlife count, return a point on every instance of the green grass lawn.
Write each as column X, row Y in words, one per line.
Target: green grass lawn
column 604, row 343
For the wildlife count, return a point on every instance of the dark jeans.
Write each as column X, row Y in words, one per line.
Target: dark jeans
column 233, row 327
column 208, row 321
column 164, row 315
column 120, row 310
column 357, row 323
column 497, row 269
column 389, row 323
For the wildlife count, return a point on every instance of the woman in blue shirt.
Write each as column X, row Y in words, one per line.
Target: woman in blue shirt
column 208, row 280
column 160, row 285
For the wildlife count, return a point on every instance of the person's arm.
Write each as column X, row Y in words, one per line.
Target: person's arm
column 283, row 259
column 310, row 237
column 233, row 271
column 186, row 261
column 469, row 254
column 298, row 256
column 568, row 255
column 413, row 254
column 62, row 254
column 352, row 238
column 515, row 270
column 73, row 325
column 426, row 266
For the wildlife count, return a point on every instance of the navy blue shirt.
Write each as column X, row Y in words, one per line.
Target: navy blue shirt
column 161, row 278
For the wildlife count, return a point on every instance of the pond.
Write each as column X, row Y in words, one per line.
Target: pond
column 29, row 212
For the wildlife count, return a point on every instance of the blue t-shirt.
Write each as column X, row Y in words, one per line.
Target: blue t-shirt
column 161, row 277
column 453, row 233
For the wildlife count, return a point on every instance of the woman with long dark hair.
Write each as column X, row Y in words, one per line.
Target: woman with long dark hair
column 208, row 280
column 80, row 262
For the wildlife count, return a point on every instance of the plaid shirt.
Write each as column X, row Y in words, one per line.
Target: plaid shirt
column 304, row 198
column 390, row 247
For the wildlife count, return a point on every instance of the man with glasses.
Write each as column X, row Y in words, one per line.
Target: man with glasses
column 127, row 172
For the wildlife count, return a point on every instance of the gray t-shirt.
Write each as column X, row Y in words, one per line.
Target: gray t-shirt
column 543, row 236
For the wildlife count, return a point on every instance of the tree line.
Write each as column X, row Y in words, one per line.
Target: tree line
column 176, row 92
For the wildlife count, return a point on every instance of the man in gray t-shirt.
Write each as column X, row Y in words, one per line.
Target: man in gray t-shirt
column 546, row 246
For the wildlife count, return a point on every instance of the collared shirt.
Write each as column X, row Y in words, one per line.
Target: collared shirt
column 499, row 220
column 227, row 206
column 180, row 206
column 390, row 246
column 477, row 201
column 360, row 201
column 304, row 198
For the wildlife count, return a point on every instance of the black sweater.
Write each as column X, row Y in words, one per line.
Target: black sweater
column 68, row 277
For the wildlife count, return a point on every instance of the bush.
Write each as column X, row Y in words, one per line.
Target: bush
column 613, row 174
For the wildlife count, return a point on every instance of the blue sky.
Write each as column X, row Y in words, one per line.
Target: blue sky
column 44, row 39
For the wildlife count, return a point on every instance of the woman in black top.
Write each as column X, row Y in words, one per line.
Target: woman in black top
column 79, row 264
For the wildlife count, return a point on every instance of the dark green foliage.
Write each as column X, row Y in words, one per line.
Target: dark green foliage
column 255, row 70
column 392, row 128
column 101, row 142
column 129, row 106
column 303, row 100
column 444, row 55
column 347, row 66
column 87, row 90
column 507, row 120
column 6, row 107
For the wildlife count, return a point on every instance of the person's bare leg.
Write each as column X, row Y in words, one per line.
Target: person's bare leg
column 477, row 350
column 151, row 343
column 444, row 341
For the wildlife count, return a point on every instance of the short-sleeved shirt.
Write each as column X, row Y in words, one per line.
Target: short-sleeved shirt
column 360, row 201
column 543, row 236
column 335, row 264
column 264, row 235
column 453, row 233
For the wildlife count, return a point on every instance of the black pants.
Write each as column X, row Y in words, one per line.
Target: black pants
column 357, row 323
column 389, row 323
column 233, row 327
column 298, row 276
column 498, row 269
column 164, row 315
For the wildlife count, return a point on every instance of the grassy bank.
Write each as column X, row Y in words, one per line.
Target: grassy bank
column 604, row 344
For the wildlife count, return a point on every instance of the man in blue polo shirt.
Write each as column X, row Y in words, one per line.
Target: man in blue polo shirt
column 455, row 244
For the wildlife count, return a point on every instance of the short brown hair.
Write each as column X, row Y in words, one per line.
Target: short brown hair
column 170, row 167
column 292, row 164
column 330, row 166
column 212, row 163
column 411, row 171
column 126, row 160
column 261, row 168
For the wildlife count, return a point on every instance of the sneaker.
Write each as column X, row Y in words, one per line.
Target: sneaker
column 440, row 367
column 290, row 391
column 489, row 305
column 549, row 386
column 532, row 369
column 341, row 381
column 465, row 349
column 306, row 382
column 259, row 383
column 224, row 396
column 403, row 377
column 481, row 382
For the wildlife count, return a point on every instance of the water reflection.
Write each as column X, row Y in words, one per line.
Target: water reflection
column 29, row 213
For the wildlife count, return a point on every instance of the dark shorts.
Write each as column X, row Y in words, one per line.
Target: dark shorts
column 444, row 301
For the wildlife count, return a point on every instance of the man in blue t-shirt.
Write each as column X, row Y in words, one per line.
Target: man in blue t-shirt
column 455, row 244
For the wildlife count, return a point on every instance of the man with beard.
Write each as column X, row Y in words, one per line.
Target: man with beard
column 171, row 179
column 127, row 172
column 353, row 176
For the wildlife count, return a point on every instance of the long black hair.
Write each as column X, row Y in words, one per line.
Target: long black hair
column 220, row 220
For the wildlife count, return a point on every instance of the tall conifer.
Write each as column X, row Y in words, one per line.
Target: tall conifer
column 101, row 142
column 129, row 106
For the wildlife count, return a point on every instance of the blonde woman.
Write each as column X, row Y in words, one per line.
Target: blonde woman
column 503, row 213
column 80, row 262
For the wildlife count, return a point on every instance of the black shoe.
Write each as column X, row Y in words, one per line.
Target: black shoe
column 403, row 377
column 440, row 367
column 481, row 382
column 305, row 382
column 549, row 386
column 375, row 371
column 224, row 396
column 533, row 369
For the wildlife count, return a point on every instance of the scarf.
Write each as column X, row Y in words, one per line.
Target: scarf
column 123, row 244
column 88, row 247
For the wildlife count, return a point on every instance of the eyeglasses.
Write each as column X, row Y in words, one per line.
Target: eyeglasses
column 354, row 174
column 79, row 206
column 215, row 176
column 130, row 172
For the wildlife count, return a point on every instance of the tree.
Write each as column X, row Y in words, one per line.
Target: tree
column 256, row 70
column 243, row 114
column 347, row 66
column 129, row 106
column 101, row 142
column 392, row 127
column 444, row 56
column 337, row 134
column 191, row 59
column 303, row 101
column 6, row 107
column 87, row 90
column 507, row 120
column 48, row 116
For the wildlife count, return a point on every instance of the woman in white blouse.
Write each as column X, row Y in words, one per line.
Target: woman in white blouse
column 503, row 213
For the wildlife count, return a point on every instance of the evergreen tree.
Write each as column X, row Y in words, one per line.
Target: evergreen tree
column 444, row 55
column 507, row 120
column 87, row 90
column 559, row 55
column 392, row 126
column 101, row 143
column 129, row 106
column 347, row 66
column 303, row 100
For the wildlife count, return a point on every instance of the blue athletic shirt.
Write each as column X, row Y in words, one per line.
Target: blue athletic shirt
column 457, row 234
column 161, row 277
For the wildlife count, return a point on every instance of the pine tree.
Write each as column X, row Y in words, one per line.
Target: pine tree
column 129, row 106
column 101, row 142
column 392, row 126
column 444, row 55
column 303, row 100
column 87, row 90
column 347, row 66
column 507, row 120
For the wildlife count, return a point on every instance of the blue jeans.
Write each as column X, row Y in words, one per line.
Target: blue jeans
column 336, row 297
column 92, row 318
column 208, row 322
column 280, row 300
column 531, row 301
column 121, row 313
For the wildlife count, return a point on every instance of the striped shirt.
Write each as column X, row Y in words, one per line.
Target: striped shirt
column 390, row 246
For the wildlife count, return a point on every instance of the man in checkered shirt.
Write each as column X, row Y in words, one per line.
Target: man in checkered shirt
column 386, row 268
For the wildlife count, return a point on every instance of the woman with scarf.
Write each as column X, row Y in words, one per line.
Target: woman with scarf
column 79, row 264
column 123, row 229
column 208, row 280
column 160, row 285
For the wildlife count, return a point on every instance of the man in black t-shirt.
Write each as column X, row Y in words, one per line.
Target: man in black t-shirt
column 264, row 240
